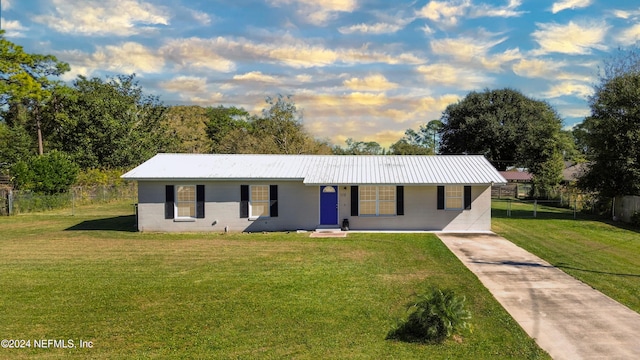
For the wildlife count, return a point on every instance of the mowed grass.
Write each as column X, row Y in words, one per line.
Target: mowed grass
column 604, row 255
column 238, row 296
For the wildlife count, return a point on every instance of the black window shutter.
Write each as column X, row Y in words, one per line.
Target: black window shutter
column 354, row 201
column 168, row 202
column 440, row 197
column 467, row 197
column 244, row 201
column 273, row 200
column 200, row 201
column 399, row 200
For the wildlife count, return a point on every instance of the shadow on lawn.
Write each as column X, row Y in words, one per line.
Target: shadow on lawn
column 118, row 223
column 559, row 266
column 513, row 263
column 563, row 266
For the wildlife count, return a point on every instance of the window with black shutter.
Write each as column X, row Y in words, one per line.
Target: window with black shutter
column 258, row 201
column 454, row 197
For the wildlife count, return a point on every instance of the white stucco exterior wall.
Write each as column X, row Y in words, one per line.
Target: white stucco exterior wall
column 299, row 208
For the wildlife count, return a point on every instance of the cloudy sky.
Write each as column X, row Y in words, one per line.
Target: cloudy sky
column 366, row 69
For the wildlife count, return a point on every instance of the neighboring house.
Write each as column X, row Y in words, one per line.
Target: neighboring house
column 518, row 184
column 517, row 176
column 198, row 192
column 572, row 172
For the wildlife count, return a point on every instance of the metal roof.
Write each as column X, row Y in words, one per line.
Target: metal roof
column 321, row 169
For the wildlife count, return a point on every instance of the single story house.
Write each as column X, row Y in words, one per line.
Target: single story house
column 238, row 192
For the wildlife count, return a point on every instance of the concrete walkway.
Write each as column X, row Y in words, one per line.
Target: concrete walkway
column 566, row 317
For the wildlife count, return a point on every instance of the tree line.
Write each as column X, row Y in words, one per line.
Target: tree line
column 50, row 130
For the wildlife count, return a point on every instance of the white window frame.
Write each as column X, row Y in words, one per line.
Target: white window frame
column 178, row 202
column 266, row 202
column 451, row 193
column 377, row 200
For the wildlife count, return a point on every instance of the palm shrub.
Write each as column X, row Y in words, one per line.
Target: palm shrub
column 432, row 317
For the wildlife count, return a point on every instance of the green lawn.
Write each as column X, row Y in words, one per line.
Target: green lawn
column 604, row 255
column 141, row 295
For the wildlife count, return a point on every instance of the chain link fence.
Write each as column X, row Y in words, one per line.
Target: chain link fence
column 69, row 203
column 569, row 208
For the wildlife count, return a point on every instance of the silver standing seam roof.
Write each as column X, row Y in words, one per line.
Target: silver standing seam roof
column 322, row 169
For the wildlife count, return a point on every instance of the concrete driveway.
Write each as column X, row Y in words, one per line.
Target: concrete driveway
column 566, row 317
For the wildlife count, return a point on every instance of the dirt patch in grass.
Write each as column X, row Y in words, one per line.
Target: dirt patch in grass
column 405, row 278
column 359, row 255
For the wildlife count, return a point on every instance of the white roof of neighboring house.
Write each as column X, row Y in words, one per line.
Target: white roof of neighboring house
column 321, row 169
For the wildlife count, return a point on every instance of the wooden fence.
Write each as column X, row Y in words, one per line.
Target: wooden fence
column 511, row 190
column 5, row 193
column 624, row 207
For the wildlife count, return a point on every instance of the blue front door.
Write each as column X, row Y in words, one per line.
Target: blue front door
column 328, row 205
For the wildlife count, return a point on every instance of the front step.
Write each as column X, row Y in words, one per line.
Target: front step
column 328, row 234
column 328, row 231
column 328, row 228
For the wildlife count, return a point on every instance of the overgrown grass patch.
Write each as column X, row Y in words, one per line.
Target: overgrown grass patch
column 277, row 295
column 604, row 255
